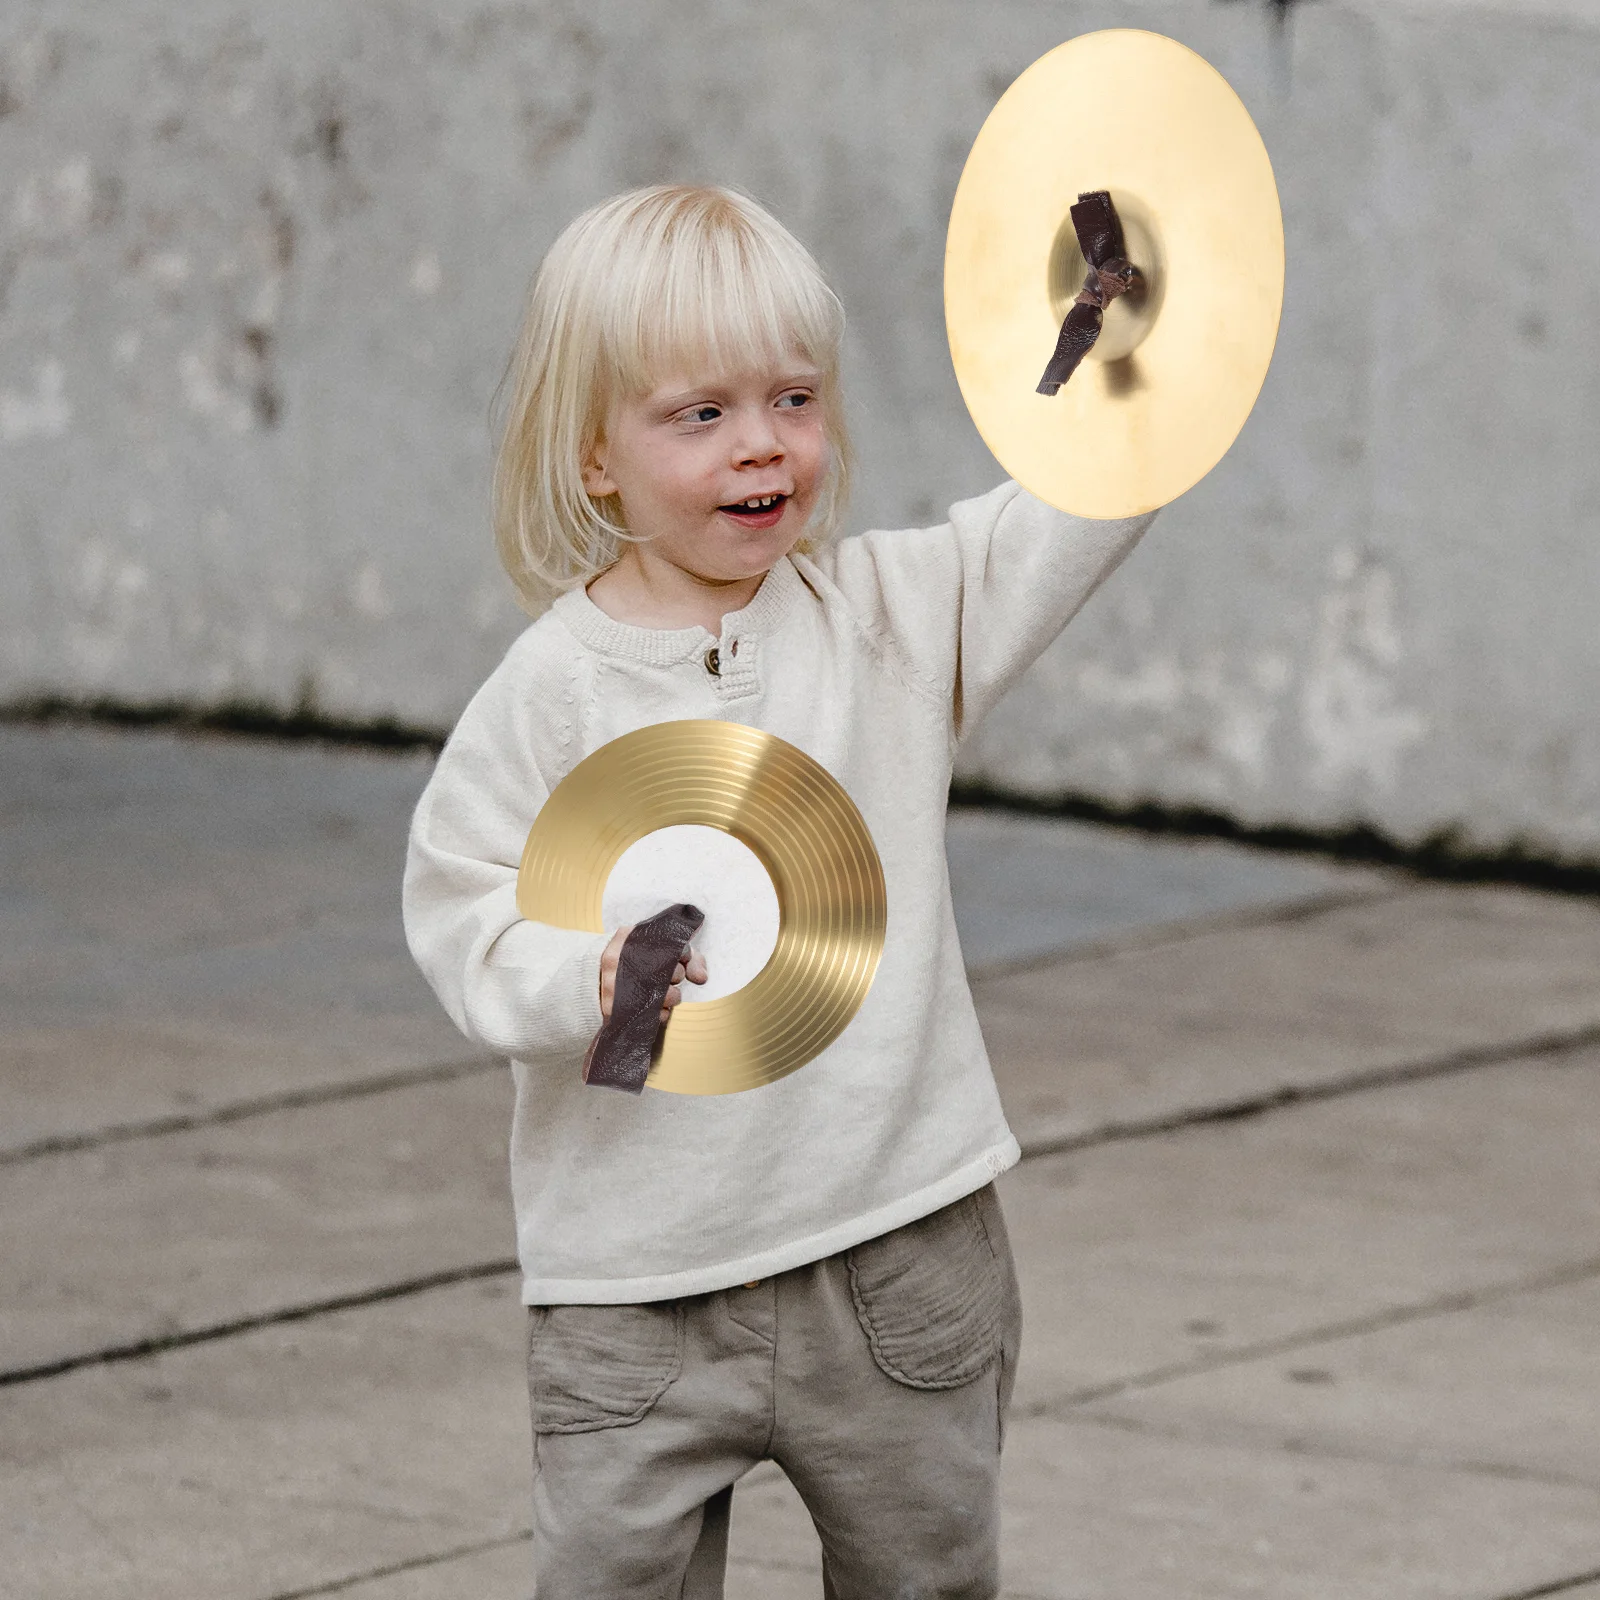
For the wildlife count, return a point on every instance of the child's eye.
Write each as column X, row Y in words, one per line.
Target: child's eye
column 703, row 414
column 796, row 400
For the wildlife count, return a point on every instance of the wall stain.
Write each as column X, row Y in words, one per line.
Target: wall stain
column 282, row 229
column 266, row 399
column 330, row 138
column 27, row 66
column 550, row 128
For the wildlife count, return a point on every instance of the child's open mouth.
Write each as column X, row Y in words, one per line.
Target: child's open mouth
column 760, row 511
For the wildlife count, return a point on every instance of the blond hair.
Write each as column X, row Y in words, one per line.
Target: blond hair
column 635, row 289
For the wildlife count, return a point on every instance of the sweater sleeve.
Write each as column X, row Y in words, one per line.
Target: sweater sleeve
column 970, row 605
column 523, row 989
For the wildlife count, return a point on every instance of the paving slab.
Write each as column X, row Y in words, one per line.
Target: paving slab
column 157, row 1237
column 1510, row 1387
column 1234, row 1015
column 1027, row 887
column 172, row 845
column 1169, row 1252
column 1097, row 1513
column 189, row 922
column 298, row 1455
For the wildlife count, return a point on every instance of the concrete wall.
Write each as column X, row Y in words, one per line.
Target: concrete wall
column 260, row 266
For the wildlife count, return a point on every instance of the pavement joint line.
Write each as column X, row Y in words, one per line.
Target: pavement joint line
column 1289, row 1096
column 437, row 1558
column 1303, row 1447
column 161, row 1344
column 1556, row 1586
column 1158, row 934
column 1457, row 1300
column 243, row 1110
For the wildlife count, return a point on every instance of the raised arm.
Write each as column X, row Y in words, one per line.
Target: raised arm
column 969, row 605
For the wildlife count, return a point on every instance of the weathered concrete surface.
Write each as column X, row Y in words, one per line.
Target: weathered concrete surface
column 1008, row 872
column 260, row 268
column 1509, row 1388
column 1139, row 1035
column 299, row 1207
column 191, row 923
column 1169, row 1255
column 1102, row 1513
column 1343, row 1349
column 283, row 1459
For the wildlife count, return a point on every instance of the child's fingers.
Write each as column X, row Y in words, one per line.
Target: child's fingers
column 674, row 995
column 696, row 970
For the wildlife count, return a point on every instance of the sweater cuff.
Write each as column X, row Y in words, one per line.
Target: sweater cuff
column 570, row 1011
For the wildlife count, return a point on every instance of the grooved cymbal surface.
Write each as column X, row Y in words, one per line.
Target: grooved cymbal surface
column 809, row 836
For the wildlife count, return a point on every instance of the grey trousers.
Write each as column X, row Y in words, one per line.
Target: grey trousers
column 877, row 1379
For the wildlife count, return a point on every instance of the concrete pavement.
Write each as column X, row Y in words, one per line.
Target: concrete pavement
column 1309, row 1230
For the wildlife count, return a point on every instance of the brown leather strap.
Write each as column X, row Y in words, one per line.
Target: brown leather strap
column 1099, row 231
column 619, row 1054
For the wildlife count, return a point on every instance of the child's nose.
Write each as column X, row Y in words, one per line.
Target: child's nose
column 758, row 444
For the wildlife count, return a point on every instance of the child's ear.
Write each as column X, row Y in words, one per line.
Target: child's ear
column 597, row 482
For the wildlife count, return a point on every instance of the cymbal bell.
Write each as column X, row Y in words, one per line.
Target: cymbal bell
column 1178, row 365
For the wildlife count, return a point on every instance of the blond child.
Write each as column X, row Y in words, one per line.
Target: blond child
column 814, row 1272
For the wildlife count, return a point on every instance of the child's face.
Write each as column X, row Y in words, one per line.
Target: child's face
column 687, row 458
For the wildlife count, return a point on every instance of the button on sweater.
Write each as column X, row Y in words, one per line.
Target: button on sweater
column 873, row 655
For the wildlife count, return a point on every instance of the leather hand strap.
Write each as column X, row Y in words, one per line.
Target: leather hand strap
column 619, row 1054
column 1099, row 231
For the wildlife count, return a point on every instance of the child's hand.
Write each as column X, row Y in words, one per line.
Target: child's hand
column 694, row 970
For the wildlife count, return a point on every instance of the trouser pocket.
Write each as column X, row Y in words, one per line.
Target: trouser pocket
column 592, row 1367
column 930, row 1298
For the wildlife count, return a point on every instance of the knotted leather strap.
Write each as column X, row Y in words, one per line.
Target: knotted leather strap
column 1095, row 221
column 619, row 1054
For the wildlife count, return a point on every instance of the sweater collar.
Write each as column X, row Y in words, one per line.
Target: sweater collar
column 665, row 647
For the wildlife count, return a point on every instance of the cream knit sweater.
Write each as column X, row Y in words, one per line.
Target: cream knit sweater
column 872, row 656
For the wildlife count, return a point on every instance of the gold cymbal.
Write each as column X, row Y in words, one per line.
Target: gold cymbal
column 1175, row 372
column 807, row 833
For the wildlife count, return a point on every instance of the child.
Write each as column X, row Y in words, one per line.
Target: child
column 814, row 1272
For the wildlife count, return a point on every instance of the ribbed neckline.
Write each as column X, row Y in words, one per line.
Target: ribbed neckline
column 665, row 647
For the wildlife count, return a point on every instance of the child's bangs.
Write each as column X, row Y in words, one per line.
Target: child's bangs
column 719, row 299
